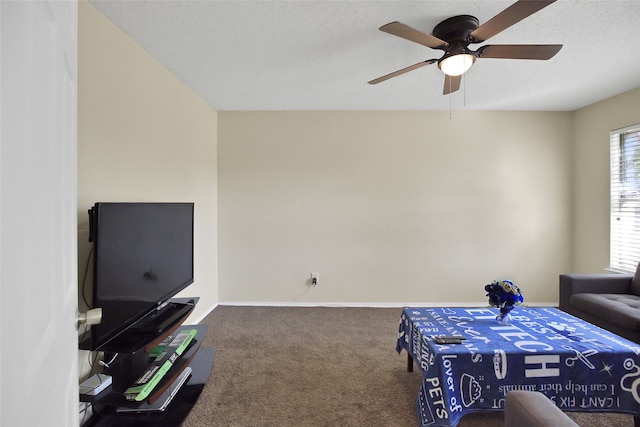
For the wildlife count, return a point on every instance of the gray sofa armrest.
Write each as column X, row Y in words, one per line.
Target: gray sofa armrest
column 592, row 283
column 533, row 409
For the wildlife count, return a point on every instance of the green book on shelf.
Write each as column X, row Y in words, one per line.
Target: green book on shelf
column 162, row 347
column 144, row 385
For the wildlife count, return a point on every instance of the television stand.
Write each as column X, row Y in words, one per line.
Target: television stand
column 172, row 416
column 110, row 408
column 161, row 319
column 157, row 323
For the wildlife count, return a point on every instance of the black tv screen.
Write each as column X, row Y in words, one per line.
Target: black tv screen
column 143, row 255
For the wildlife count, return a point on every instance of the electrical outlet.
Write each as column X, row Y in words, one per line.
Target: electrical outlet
column 315, row 278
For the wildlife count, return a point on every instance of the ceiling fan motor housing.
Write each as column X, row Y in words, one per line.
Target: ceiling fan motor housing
column 457, row 29
column 457, row 32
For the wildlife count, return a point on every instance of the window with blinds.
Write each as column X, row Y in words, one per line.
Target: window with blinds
column 625, row 199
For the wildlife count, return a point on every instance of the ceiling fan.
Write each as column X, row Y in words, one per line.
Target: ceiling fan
column 455, row 34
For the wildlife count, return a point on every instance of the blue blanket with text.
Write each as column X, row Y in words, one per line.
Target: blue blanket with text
column 579, row 366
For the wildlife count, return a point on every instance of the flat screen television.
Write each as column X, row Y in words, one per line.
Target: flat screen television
column 143, row 256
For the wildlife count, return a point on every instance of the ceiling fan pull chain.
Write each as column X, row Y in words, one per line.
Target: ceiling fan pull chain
column 464, row 90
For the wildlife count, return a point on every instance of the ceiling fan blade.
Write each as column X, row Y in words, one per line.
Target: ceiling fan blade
column 402, row 71
column 511, row 15
column 519, row 51
column 451, row 84
column 406, row 32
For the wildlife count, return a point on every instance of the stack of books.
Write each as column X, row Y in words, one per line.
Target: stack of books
column 166, row 354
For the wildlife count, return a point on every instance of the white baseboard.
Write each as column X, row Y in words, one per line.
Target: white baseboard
column 199, row 319
column 374, row 304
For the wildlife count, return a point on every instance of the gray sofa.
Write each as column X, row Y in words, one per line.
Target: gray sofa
column 611, row 301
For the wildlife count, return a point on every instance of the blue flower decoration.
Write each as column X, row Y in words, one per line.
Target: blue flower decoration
column 503, row 294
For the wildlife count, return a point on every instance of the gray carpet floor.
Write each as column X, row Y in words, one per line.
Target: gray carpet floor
column 318, row 366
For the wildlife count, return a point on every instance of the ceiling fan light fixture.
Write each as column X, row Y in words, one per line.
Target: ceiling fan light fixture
column 455, row 34
column 456, row 65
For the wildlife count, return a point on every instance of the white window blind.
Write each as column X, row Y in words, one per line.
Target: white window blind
column 625, row 199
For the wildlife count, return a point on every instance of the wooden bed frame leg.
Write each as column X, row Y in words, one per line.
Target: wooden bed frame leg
column 636, row 420
column 410, row 369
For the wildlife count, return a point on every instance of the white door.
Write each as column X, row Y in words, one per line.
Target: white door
column 38, row 211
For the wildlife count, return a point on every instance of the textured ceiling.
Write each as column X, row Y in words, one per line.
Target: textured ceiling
column 319, row 55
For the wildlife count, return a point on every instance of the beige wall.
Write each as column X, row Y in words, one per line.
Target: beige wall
column 144, row 136
column 591, row 127
column 389, row 207
column 392, row 207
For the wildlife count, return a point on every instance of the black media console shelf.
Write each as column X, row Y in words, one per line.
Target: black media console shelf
column 111, row 409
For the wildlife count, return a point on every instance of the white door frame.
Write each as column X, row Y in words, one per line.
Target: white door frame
column 38, row 213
